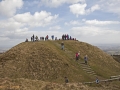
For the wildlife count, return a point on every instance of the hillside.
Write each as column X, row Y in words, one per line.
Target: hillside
column 45, row 61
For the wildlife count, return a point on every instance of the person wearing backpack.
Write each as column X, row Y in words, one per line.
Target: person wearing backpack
column 97, row 81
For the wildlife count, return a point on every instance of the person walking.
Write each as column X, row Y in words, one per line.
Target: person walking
column 62, row 46
column 97, row 80
column 86, row 59
column 76, row 55
column 66, row 80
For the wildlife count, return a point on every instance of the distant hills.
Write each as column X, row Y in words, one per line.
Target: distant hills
column 4, row 49
column 112, row 49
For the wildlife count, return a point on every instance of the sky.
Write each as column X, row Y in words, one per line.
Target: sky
column 91, row 21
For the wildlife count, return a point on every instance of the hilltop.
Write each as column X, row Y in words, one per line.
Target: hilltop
column 45, row 61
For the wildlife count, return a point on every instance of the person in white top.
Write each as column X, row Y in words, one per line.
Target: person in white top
column 78, row 55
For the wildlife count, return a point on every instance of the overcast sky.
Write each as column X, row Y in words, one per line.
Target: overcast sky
column 91, row 21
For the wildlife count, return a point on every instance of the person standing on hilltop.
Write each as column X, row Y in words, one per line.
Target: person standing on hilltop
column 52, row 37
column 26, row 40
column 70, row 37
column 62, row 46
column 33, row 38
column 36, row 38
column 55, row 38
column 47, row 37
column 86, row 59
column 65, row 36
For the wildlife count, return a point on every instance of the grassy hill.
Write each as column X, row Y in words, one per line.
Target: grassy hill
column 45, row 61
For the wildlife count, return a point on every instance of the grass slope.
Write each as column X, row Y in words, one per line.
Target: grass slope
column 44, row 60
column 40, row 60
column 102, row 63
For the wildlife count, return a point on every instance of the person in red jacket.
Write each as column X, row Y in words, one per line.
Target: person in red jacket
column 76, row 55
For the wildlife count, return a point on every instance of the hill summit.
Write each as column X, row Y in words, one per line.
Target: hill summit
column 44, row 60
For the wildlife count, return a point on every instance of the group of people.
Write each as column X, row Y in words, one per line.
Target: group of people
column 67, row 37
column 34, row 38
column 77, row 56
column 42, row 38
column 64, row 37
